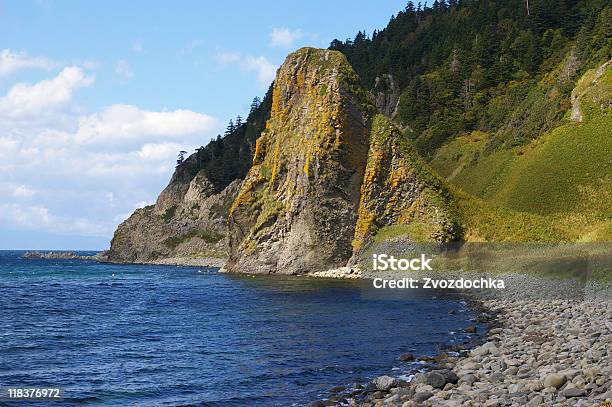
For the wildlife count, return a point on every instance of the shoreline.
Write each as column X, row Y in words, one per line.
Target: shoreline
column 535, row 353
column 188, row 262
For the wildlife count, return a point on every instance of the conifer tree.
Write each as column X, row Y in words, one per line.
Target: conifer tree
column 230, row 128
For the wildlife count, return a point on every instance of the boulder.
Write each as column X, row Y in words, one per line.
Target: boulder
column 384, row 383
column 574, row 392
column 438, row 378
column 406, row 357
column 554, row 380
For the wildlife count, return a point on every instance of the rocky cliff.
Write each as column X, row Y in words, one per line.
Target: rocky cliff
column 386, row 94
column 330, row 176
column 297, row 208
column 187, row 221
column 399, row 188
column 404, row 199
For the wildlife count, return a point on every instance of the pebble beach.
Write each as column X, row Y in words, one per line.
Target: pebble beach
column 547, row 353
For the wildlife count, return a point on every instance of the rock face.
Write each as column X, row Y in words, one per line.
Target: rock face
column 586, row 90
column 296, row 210
column 188, row 220
column 399, row 188
column 386, row 94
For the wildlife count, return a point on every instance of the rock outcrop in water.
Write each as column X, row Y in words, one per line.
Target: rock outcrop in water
column 296, row 210
column 56, row 256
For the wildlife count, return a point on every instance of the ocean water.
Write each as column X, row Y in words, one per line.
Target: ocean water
column 134, row 335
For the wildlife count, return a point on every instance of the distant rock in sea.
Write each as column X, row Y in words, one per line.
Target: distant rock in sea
column 55, row 255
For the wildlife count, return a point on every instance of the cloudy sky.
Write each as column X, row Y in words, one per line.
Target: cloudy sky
column 96, row 98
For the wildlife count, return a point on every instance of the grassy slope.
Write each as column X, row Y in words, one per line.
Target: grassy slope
column 565, row 175
column 479, row 220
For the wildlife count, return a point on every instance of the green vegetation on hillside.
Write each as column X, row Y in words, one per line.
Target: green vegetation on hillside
column 504, row 102
column 506, row 105
column 228, row 157
column 483, row 65
column 402, row 196
column 209, row 236
column 565, row 174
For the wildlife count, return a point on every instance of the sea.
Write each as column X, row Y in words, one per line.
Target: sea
column 143, row 335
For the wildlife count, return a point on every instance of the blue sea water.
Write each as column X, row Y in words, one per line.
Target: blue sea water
column 136, row 335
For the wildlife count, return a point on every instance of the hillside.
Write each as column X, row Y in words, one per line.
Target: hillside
column 189, row 218
column 513, row 108
column 565, row 174
column 329, row 177
column 402, row 195
column 489, row 66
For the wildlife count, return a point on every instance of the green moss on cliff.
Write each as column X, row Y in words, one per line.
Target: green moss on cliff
column 169, row 213
column 209, row 236
column 306, row 167
column 400, row 189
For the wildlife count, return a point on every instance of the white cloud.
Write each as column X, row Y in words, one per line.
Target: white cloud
column 40, row 217
column 137, row 46
column 11, row 62
column 160, row 151
column 260, row 65
column 123, row 70
column 24, row 101
column 228, row 57
column 284, row 37
column 85, row 170
column 264, row 69
column 7, row 145
column 119, row 125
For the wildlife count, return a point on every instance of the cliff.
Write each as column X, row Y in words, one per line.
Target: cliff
column 296, row 210
column 399, row 188
column 187, row 221
column 331, row 180
column 330, row 177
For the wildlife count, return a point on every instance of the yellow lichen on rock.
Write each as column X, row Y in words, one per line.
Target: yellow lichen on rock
column 297, row 204
column 399, row 189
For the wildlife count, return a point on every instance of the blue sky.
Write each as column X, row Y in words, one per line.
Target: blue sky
column 96, row 98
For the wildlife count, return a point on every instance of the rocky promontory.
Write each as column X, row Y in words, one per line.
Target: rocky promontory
column 187, row 221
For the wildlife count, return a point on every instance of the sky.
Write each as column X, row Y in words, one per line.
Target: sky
column 97, row 98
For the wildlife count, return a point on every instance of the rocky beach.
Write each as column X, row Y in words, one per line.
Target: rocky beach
column 537, row 353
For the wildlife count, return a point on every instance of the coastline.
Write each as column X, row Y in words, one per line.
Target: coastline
column 102, row 258
column 189, row 262
column 535, row 353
